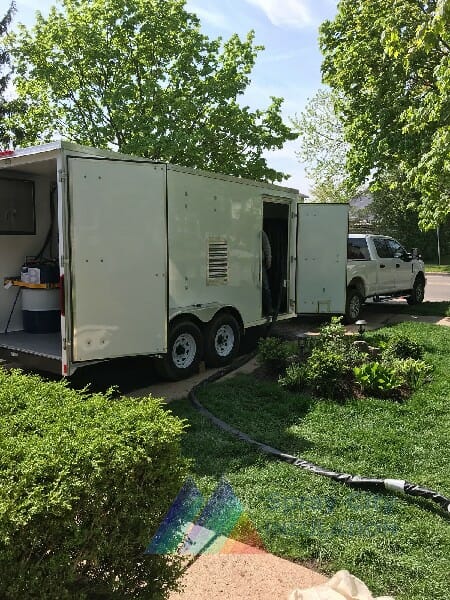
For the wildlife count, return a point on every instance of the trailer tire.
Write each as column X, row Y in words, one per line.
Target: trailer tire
column 184, row 352
column 222, row 340
column 418, row 292
column 353, row 305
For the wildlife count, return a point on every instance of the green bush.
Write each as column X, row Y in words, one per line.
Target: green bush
column 402, row 346
column 327, row 373
column 377, row 378
column 412, row 372
column 333, row 338
column 274, row 354
column 333, row 332
column 85, row 481
column 294, row 378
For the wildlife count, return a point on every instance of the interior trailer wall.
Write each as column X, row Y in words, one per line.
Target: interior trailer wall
column 15, row 248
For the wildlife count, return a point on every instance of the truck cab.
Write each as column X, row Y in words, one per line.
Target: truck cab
column 379, row 266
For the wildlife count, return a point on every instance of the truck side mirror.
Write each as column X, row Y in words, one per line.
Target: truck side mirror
column 406, row 256
column 416, row 253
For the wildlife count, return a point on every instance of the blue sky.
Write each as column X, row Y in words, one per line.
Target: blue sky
column 288, row 67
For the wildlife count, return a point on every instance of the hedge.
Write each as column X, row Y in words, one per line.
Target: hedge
column 85, row 480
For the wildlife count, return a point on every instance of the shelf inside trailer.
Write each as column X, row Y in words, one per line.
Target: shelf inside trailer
column 34, row 286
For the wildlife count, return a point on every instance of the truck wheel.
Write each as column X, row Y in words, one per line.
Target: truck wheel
column 418, row 292
column 353, row 305
column 184, row 352
column 222, row 339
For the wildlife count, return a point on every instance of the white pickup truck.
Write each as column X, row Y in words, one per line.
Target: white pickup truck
column 378, row 265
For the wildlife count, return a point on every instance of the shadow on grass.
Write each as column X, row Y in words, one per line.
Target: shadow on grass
column 270, row 416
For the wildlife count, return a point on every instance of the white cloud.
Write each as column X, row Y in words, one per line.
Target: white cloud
column 293, row 13
column 211, row 17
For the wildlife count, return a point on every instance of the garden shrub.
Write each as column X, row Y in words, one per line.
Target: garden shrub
column 333, row 332
column 401, row 346
column 377, row 378
column 327, row 373
column 333, row 338
column 274, row 354
column 85, row 481
column 294, row 378
column 412, row 372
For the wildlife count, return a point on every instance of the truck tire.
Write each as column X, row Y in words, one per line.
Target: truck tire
column 184, row 352
column 353, row 305
column 418, row 292
column 222, row 340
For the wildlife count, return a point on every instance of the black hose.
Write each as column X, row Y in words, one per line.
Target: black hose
column 354, row 481
column 12, row 309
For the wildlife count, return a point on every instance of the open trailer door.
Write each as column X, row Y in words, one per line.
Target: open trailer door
column 118, row 258
column 321, row 258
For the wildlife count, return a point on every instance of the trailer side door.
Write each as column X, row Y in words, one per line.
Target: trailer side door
column 118, row 258
column 321, row 258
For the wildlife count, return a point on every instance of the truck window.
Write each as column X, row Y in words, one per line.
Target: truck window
column 382, row 247
column 357, row 249
column 395, row 248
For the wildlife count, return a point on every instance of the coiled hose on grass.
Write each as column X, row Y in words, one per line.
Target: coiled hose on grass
column 353, row 481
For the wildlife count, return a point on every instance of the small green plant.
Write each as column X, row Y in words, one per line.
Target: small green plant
column 377, row 378
column 402, row 347
column 413, row 372
column 327, row 373
column 332, row 331
column 274, row 354
column 333, row 338
column 295, row 378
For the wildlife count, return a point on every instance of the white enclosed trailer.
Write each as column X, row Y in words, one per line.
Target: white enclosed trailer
column 154, row 259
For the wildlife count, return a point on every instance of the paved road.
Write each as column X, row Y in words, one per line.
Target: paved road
column 437, row 288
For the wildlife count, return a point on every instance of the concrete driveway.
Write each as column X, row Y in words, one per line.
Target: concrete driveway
column 438, row 287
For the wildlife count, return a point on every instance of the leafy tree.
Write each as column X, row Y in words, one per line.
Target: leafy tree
column 388, row 63
column 323, row 148
column 391, row 213
column 139, row 76
column 6, row 106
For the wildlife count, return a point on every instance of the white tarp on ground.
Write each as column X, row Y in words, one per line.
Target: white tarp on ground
column 342, row 586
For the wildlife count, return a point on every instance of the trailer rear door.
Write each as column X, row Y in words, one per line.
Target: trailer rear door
column 321, row 258
column 118, row 258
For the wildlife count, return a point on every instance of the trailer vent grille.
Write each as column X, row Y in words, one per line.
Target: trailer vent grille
column 217, row 261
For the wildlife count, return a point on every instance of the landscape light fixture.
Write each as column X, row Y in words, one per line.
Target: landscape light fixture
column 361, row 326
column 301, row 344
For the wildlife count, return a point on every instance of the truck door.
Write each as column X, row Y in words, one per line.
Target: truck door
column 386, row 265
column 321, row 258
column 118, row 258
column 403, row 268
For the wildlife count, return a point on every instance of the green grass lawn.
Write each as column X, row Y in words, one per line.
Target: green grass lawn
column 444, row 268
column 397, row 545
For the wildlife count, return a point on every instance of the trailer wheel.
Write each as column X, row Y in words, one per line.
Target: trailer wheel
column 353, row 305
column 418, row 292
column 222, row 340
column 184, row 352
